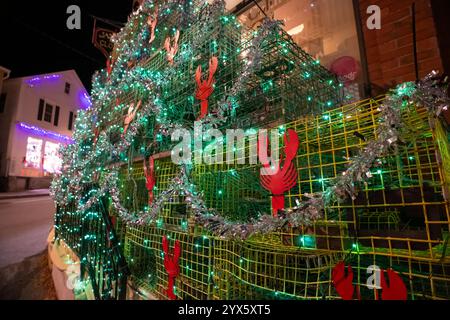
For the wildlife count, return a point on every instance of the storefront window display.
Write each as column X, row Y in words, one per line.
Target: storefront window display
column 326, row 29
column 43, row 155
column 34, row 153
column 52, row 159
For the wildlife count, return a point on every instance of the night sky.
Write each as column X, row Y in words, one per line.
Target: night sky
column 34, row 38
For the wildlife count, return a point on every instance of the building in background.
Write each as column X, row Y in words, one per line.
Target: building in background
column 326, row 29
column 368, row 61
column 4, row 75
column 390, row 52
column 37, row 117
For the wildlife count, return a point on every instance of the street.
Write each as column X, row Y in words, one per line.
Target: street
column 24, row 226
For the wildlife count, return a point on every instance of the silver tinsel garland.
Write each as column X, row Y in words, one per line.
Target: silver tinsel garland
column 306, row 213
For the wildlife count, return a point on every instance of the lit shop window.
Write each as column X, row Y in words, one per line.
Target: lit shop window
column 326, row 29
column 34, row 153
column 52, row 159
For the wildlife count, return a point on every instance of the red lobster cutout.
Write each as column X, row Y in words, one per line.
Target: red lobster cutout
column 131, row 64
column 132, row 110
column 205, row 88
column 282, row 180
column 171, row 265
column 396, row 290
column 171, row 46
column 96, row 135
column 109, row 65
column 150, row 179
column 152, row 21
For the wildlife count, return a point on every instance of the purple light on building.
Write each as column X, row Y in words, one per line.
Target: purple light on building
column 44, row 133
column 84, row 100
column 38, row 80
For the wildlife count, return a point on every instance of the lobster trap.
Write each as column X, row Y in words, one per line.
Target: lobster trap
column 399, row 220
column 289, row 84
column 213, row 268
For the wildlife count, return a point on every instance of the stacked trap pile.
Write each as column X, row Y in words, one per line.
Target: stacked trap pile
column 399, row 218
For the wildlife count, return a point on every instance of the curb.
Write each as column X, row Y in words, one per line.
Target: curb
column 24, row 196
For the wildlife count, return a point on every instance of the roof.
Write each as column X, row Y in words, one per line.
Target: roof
column 72, row 73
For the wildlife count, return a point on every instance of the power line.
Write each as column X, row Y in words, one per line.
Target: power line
column 259, row 7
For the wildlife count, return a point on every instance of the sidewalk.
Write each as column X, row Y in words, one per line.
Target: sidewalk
column 24, row 194
column 30, row 279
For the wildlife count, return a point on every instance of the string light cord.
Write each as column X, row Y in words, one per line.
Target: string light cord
column 259, row 7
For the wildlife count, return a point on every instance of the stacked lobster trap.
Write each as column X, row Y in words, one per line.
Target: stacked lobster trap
column 400, row 218
column 288, row 83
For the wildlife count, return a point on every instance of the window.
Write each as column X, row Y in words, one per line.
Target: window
column 48, row 112
column 71, row 120
column 41, row 109
column 326, row 29
column 34, row 153
column 52, row 159
column 56, row 120
column 2, row 102
column 67, row 88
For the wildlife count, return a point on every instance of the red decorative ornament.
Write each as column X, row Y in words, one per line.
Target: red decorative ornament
column 152, row 21
column 171, row 265
column 150, row 179
column 280, row 180
column 109, row 67
column 171, row 46
column 96, row 135
column 343, row 283
column 396, row 290
column 132, row 110
column 131, row 64
column 205, row 87
column 347, row 69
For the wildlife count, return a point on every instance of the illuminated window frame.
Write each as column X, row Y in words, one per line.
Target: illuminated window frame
column 52, row 159
column 34, row 153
